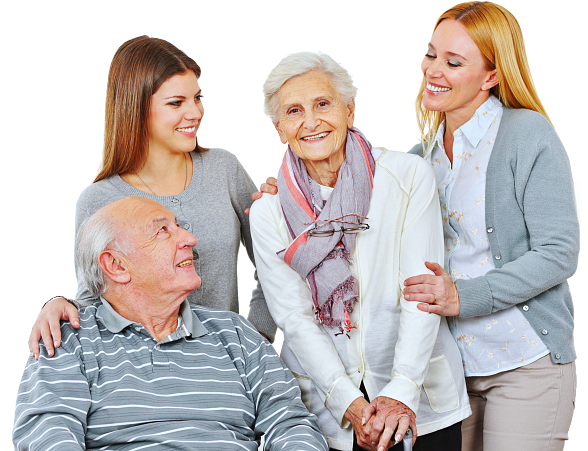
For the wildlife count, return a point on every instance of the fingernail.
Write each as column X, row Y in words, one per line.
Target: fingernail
column 362, row 421
column 398, row 437
column 55, row 343
column 31, row 354
column 381, row 448
column 407, row 296
column 50, row 353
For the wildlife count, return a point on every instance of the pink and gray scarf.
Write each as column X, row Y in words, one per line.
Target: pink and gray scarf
column 324, row 260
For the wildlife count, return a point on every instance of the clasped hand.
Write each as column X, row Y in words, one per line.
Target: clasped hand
column 374, row 423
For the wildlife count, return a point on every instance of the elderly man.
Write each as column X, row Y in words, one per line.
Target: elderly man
column 145, row 370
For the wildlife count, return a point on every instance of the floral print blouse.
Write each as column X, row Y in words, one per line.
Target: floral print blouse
column 503, row 340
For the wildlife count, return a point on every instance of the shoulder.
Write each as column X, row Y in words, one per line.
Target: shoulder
column 221, row 164
column 97, row 195
column 524, row 124
column 417, row 149
column 217, row 157
column 228, row 325
column 403, row 167
column 265, row 208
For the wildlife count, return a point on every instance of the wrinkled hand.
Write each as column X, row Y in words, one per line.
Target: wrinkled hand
column 389, row 415
column 48, row 327
column 361, row 425
column 436, row 294
column 270, row 186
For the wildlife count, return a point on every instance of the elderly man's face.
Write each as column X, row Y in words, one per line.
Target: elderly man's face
column 313, row 118
column 160, row 257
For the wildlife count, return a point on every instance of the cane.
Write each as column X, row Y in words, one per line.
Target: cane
column 407, row 440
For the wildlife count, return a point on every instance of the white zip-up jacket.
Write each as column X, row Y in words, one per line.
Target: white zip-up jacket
column 397, row 350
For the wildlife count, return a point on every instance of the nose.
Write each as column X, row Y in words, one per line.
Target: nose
column 186, row 239
column 195, row 112
column 431, row 69
column 311, row 120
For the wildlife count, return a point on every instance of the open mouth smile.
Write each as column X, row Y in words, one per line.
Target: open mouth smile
column 185, row 263
column 187, row 129
column 432, row 88
column 315, row 137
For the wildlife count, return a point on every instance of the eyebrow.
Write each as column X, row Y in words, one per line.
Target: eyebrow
column 182, row 97
column 155, row 222
column 450, row 53
column 288, row 105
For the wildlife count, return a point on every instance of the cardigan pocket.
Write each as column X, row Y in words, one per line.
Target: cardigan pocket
column 305, row 385
column 440, row 386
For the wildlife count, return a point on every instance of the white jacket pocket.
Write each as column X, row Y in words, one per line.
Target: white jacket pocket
column 440, row 386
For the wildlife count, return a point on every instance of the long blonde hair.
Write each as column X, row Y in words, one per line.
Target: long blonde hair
column 139, row 67
column 498, row 35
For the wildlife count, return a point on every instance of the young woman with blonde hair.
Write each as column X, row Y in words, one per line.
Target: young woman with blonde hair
column 153, row 112
column 510, row 226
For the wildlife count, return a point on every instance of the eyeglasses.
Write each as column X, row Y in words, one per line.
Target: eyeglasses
column 359, row 228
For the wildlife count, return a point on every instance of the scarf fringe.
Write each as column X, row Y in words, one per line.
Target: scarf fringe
column 339, row 295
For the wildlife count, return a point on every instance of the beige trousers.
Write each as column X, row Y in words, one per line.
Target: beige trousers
column 526, row 409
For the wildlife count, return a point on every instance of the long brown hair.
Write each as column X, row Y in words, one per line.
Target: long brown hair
column 498, row 35
column 138, row 69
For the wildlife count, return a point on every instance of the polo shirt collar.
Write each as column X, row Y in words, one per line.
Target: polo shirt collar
column 116, row 323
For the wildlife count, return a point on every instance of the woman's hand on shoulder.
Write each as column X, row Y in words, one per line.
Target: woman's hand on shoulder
column 270, row 186
column 48, row 325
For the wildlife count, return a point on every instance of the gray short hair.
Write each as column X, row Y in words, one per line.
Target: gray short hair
column 97, row 234
column 301, row 63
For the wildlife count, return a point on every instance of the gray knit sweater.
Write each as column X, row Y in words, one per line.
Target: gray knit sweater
column 533, row 230
column 213, row 209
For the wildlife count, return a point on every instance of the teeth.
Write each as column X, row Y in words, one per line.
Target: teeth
column 187, row 129
column 436, row 89
column 312, row 138
column 186, row 263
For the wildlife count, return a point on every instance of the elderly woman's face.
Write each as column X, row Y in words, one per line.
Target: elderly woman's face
column 313, row 118
column 455, row 72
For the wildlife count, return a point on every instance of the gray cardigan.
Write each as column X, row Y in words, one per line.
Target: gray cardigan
column 533, row 231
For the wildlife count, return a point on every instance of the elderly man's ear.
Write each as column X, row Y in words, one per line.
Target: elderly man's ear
column 114, row 266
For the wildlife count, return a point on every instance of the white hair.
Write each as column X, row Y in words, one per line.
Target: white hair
column 97, row 234
column 299, row 64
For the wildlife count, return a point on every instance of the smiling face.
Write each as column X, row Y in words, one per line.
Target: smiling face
column 313, row 119
column 175, row 114
column 160, row 258
column 458, row 81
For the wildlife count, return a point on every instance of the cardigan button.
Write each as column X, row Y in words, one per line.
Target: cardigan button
column 525, row 308
column 489, row 230
column 497, row 256
column 175, row 200
column 544, row 331
column 557, row 356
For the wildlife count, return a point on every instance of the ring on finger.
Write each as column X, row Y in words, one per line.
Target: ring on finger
column 434, row 298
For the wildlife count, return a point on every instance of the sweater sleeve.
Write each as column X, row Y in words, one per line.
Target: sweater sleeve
column 241, row 191
column 544, row 193
column 421, row 240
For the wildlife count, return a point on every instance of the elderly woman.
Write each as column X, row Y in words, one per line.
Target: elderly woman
column 511, row 231
column 350, row 224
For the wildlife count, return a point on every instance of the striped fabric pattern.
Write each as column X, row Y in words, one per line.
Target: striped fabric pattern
column 217, row 385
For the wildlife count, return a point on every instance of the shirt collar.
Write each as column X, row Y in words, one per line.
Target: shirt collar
column 474, row 129
column 115, row 323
